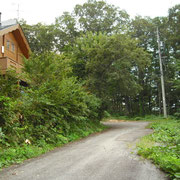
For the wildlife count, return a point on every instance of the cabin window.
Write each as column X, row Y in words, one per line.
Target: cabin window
column 12, row 47
column 8, row 44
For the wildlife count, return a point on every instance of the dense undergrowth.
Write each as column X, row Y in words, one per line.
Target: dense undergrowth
column 163, row 146
column 52, row 110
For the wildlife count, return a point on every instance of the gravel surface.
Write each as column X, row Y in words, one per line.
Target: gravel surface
column 103, row 156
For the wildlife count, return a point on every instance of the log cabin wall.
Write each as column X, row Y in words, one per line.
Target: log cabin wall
column 1, row 44
column 12, row 56
column 11, row 48
column 16, row 47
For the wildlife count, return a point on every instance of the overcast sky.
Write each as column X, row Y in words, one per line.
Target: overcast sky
column 45, row 11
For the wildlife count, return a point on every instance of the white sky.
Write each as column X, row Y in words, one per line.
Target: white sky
column 45, row 11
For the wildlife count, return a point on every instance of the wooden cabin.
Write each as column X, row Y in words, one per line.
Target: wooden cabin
column 13, row 46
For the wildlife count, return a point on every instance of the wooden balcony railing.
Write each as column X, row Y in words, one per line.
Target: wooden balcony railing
column 7, row 63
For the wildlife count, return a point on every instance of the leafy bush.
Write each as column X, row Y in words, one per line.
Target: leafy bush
column 106, row 114
column 165, row 146
column 137, row 118
column 54, row 109
column 177, row 114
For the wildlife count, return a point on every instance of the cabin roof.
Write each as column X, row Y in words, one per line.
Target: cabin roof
column 4, row 27
column 12, row 26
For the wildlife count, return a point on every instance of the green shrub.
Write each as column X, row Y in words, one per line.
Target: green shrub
column 137, row 118
column 177, row 115
column 165, row 146
column 106, row 115
column 53, row 110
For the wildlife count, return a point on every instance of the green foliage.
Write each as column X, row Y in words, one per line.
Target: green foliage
column 106, row 115
column 103, row 32
column 65, row 31
column 52, row 110
column 20, row 153
column 98, row 16
column 149, row 100
column 41, row 37
column 7, row 114
column 163, row 146
column 9, row 84
column 177, row 114
column 108, row 65
column 137, row 118
column 17, row 154
column 95, row 16
column 150, row 118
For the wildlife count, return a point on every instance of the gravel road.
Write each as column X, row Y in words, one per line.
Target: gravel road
column 103, row 156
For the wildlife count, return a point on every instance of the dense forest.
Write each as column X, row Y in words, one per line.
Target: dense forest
column 115, row 56
column 90, row 63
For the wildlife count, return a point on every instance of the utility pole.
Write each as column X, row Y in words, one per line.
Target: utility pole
column 162, row 77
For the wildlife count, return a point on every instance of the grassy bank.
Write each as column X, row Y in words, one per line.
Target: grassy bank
column 17, row 154
column 133, row 118
column 163, row 146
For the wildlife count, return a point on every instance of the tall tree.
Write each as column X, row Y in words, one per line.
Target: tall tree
column 109, row 65
column 40, row 37
column 98, row 16
column 66, row 30
column 174, row 41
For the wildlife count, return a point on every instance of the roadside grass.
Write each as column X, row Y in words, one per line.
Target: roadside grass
column 136, row 118
column 163, row 146
column 17, row 154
